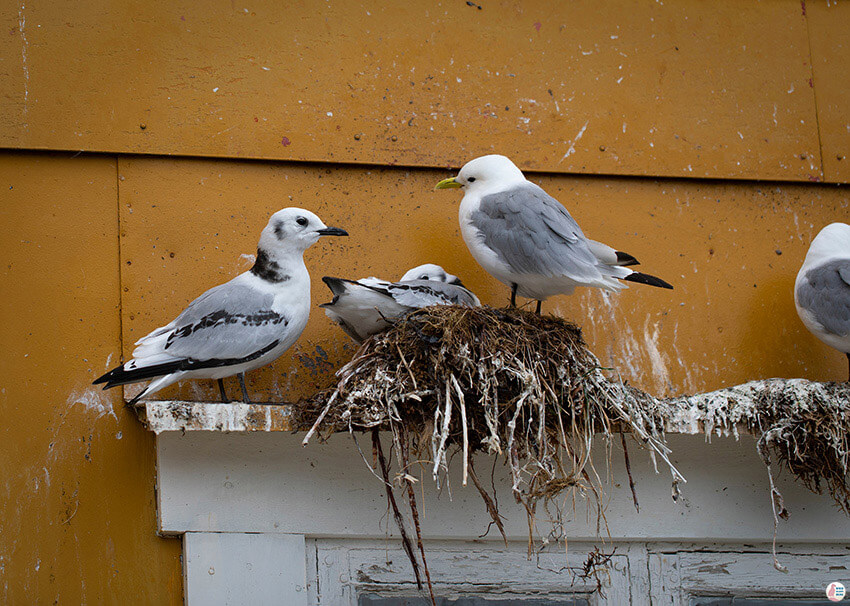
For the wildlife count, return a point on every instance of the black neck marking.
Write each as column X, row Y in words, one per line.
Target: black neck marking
column 267, row 269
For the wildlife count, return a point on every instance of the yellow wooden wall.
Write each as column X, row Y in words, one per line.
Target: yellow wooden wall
column 144, row 145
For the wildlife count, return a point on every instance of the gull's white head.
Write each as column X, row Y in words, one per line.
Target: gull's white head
column 493, row 173
column 429, row 271
column 295, row 229
column 833, row 242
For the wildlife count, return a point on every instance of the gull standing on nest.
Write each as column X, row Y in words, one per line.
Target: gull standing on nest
column 364, row 307
column 237, row 326
column 822, row 289
column 526, row 239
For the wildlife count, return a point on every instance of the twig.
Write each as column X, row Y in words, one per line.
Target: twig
column 464, row 428
column 320, row 418
column 411, row 497
column 776, row 502
column 629, row 471
column 444, row 431
column 407, row 366
column 405, row 540
column 492, row 508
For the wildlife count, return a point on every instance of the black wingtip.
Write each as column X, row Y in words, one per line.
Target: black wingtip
column 647, row 279
column 108, row 377
column 337, row 285
column 625, row 259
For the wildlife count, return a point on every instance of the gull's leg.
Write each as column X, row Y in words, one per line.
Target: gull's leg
column 539, row 305
column 848, row 364
column 222, row 391
column 513, row 294
column 245, row 398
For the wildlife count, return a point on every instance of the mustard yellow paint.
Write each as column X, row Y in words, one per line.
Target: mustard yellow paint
column 681, row 88
column 674, row 89
column 829, row 32
column 731, row 318
column 77, row 517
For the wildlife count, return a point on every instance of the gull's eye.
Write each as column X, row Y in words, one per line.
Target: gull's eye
column 471, row 179
column 302, row 221
column 424, row 277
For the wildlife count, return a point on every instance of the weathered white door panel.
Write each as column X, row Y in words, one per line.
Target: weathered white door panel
column 347, row 569
column 675, row 577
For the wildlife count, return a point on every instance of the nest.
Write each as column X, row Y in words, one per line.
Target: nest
column 525, row 387
column 802, row 425
column 502, row 381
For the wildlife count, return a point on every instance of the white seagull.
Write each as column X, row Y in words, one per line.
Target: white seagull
column 237, row 326
column 526, row 239
column 822, row 289
column 364, row 307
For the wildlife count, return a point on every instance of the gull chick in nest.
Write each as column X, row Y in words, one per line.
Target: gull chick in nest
column 365, row 307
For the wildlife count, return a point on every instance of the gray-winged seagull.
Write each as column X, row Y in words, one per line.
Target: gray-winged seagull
column 526, row 239
column 363, row 307
column 237, row 326
column 822, row 289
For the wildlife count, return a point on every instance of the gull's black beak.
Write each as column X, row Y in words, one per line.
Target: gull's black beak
column 331, row 231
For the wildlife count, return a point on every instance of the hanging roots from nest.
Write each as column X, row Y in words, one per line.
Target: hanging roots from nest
column 523, row 386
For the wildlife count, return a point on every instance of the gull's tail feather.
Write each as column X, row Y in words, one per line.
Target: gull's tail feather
column 337, row 285
column 647, row 279
column 120, row 376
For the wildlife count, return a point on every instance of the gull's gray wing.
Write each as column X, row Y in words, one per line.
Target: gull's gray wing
column 229, row 322
column 534, row 234
column 825, row 293
column 424, row 293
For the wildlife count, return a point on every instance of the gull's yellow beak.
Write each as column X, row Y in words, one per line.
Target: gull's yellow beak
column 449, row 183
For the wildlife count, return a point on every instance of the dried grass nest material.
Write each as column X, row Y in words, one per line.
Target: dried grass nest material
column 503, row 381
column 512, row 383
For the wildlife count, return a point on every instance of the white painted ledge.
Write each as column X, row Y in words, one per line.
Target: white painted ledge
column 175, row 415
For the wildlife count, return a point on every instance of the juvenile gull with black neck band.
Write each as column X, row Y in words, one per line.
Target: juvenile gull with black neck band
column 237, row 326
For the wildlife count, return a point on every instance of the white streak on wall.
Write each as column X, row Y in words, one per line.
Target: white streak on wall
column 22, row 22
column 657, row 359
column 572, row 148
column 93, row 400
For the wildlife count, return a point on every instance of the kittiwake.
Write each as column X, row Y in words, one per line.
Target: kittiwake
column 237, row 326
column 526, row 239
column 822, row 289
column 365, row 307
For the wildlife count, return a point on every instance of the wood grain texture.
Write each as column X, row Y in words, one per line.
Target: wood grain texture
column 681, row 88
column 829, row 32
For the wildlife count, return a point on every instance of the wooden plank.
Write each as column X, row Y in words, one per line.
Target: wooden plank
column 829, row 33
column 751, row 574
column 472, row 569
column 205, row 416
column 78, row 469
column 680, row 88
column 268, row 482
column 231, row 569
column 350, row 567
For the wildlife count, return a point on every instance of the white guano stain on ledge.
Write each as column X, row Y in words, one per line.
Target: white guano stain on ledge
column 172, row 415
